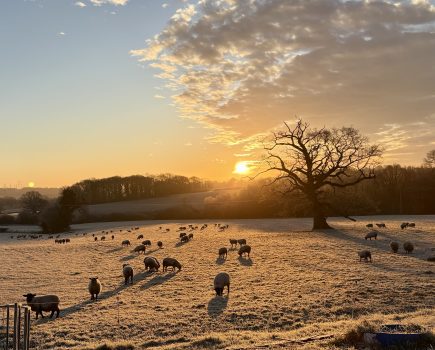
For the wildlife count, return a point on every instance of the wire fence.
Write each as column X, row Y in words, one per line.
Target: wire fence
column 14, row 327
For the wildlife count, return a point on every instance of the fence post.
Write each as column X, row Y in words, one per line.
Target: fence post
column 7, row 326
column 16, row 339
column 26, row 340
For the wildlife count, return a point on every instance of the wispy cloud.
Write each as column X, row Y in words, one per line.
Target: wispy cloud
column 111, row 2
column 242, row 67
column 80, row 4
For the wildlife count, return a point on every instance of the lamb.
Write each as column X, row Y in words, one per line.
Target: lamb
column 408, row 246
column 394, row 246
column 233, row 242
column 103, row 238
column 221, row 281
column 139, row 248
column 147, row 243
column 127, row 271
column 171, row 262
column 160, row 244
column 182, row 234
column 184, row 239
column 365, row 254
column 223, row 252
column 190, row 236
column 381, row 225
column 43, row 303
column 94, row 287
column 370, row 235
column 125, row 243
column 404, row 225
column 140, row 237
column 151, row 263
column 241, row 241
column 246, row 249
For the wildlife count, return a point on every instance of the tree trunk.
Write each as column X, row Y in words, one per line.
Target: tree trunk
column 319, row 219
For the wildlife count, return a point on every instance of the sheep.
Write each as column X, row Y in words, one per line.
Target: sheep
column 246, row 249
column 140, row 237
column 171, row 262
column 147, row 243
column 370, row 235
column 381, row 225
column 369, row 225
column 233, row 242
column 365, row 254
column 394, row 246
column 190, row 236
column 127, row 271
column 241, row 241
column 223, row 252
column 160, row 244
column 411, row 224
column 113, row 237
column 404, row 225
column 221, row 281
column 95, row 239
column 139, row 248
column 94, row 287
column 43, row 303
column 67, row 240
column 125, row 243
column 408, row 246
column 151, row 263
column 103, row 238
column 168, row 229
column 182, row 234
column 184, row 239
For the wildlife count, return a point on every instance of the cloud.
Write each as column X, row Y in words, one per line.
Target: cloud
column 165, row 5
column 240, row 68
column 111, row 2
column 60, row 34
column 80, row 4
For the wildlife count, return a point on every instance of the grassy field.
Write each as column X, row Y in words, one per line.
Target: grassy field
column 297, row 285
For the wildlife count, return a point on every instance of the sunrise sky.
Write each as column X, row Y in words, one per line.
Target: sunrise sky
column 97, row 88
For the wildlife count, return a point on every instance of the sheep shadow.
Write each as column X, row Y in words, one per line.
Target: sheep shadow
column 217, row 305
column 179, row 244
column 220, row 261
column 157, row 280
column 151, row 251
column 244, row 261
column 128, row 257
column 114, row 250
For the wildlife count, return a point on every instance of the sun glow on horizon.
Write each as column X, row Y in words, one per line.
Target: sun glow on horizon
column 31, row 184
column 241, row 168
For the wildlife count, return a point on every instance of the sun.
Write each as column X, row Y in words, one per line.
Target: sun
column 241, row 168
column 31, row 184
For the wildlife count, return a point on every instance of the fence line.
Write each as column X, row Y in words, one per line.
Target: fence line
column 14, row 327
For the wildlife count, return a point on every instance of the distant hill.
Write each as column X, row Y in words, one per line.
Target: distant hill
column 18, row 192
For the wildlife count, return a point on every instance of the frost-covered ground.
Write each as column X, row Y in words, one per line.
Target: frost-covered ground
column 297, row 283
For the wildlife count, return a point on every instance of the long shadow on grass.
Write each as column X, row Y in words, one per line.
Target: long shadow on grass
column 114, row 250
column 179, row 244
column 245, row 261
column 220, row 261
column 217, row 305
column 128, row 257
column 157, row 280
column 151, row 251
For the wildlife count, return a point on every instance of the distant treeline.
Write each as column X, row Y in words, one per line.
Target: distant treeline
column 117, row 188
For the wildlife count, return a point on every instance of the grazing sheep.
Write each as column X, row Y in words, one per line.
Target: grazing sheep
column 233, row 243
column 113, row 237
column 171, row 262
column 160, row 244
column 139, row 248
column 411, row 224
column 246, row 249
column 95, row 239
column 103, row 238
column 147, row 243
column 125, row 243
column 404, row 225
column 43, row 303
column 127, row 271
column 370, row 235
column 241, row 241
column 168, row 229
column 369, row 225
column 151, row 263
column 182, row 234
column 94, row 287
column 223, row 252
column 184, row 239
column 394, row 247
column 140, row 237
column 408, row 247
column 190, row 236
column 381, row 225
column 67, row 240
column 221, row 281
column 365, row 254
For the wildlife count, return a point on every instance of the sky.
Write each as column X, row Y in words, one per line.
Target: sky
column 98, row 88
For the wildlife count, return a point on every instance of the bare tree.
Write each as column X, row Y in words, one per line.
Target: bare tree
column 429, row 161
column 310, row 160
column 33, row 201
